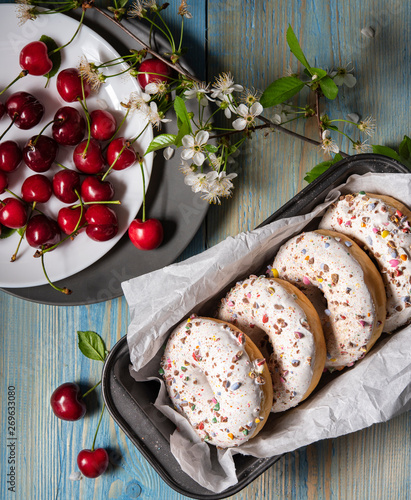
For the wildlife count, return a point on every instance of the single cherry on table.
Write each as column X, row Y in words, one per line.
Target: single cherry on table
column 36, row 188
column 102, row 223
column 10, row 156
column 93, row 463
column 94, row 189
column 90, row 161
column 66, row 402
column 42, row 232
column 146, row 235
column 103, row 125
column 35, row 59
column 68, row 219
column 121, row 154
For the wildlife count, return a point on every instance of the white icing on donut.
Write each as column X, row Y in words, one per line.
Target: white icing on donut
column 208, row 376
column 262, row 303
column 385, row 231
column 314, row 260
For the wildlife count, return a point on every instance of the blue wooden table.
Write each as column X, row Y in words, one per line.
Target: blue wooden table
column 38, row 342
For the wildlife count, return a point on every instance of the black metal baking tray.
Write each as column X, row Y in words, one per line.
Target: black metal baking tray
column 130, row 402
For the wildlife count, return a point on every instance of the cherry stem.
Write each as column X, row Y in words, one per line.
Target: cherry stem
column 64, row 290
column 108, row 202
column 98, row 426
column 177, row 67
column 14, row 194
column 84, row 106
column 42, row 130
column 14, row 256
column 73, row 37
column 20, row 75
column 144, row 191
column 91, row 390
column 9, row 127
column 60, row 165
column 81, row 210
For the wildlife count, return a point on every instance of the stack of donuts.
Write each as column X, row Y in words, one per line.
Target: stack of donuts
column 328, row 296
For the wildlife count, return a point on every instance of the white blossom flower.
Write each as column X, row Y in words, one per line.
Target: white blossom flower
column 222, row 184
column 247, row 115
column 183, row 10
column 138, row 102
column 168, row 153
column 328, row 145
column 188, row 169
column 215, row 161
column 250, row 96
column 226, row 103
column 343, row 76
column 158, row 88
column 225, row 85
column 367, row 125
column 200, row 182
column 198, row 91
column 137, row 9
column 91, row 74
column 194, row 147
column 25, row 12
column 156, row 117
column 362, row 147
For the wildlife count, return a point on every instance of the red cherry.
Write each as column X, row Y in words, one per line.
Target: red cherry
column 125, row 159
column 102, row 223
column 34, row 58
column 4, row 182
column 93, row 189
column 36, row 188
column 69, row 127
column 10, row 156
column 153, row 70
column 92, row 463
column 146, row 235
column 68, row 217
column 92, row 162
column 103, row 125
column 13, row 213
column 69, row 85
column 65, row 184
column 66, row 403
column 25, row 108
column 42, row 232
column 40, row 157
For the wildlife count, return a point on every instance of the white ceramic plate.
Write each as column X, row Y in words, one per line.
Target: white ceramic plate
column 72, row 256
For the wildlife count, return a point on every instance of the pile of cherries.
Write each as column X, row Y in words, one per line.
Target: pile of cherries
column 90, row 158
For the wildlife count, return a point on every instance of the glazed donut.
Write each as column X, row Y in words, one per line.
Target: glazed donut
column 217, row 378
column 381, row 225
column 353, row 312
column 271, row 307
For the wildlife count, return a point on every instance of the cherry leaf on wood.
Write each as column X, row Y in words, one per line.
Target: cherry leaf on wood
column 160, row 142
column 281, row 90
column 295, row 47
column 328, row 87
column 92, row 345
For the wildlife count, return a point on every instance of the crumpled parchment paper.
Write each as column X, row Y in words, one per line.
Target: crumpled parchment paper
column 375, row 389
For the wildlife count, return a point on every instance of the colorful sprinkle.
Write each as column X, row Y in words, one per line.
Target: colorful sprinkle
column 385, row 233
column 327, row 312
column 326, row 245
column 257, row 420
column 193, row 407
column 306, row 280
column 217, row 407
column 236, row 386
column 375, row 230
column 304, row 251
column 245, row 432
column 230, row 435
column 403, row 257
column 394, row 262
column 348, row 243
column 265, row 318
column 161, row 371
column 362, row 192
column 276, row 274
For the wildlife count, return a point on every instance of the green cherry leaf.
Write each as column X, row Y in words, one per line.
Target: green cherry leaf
column 160, row 142
column 405, row 148
column 296, row 48
column 183, row 118
column 321, row 168
column 92, row 345
column 386, row 151
column 281, row 90
column 328, row 87
column 55, row 58
column 184, row 129
column 211, row 148
column 6, row 232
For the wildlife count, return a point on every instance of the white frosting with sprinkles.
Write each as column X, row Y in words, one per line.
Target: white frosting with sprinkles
column 386, row 232
column 212, row 382
column 312, row 260
column 262, row 303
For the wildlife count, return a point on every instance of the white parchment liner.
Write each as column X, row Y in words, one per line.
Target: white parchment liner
column 376, row 389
